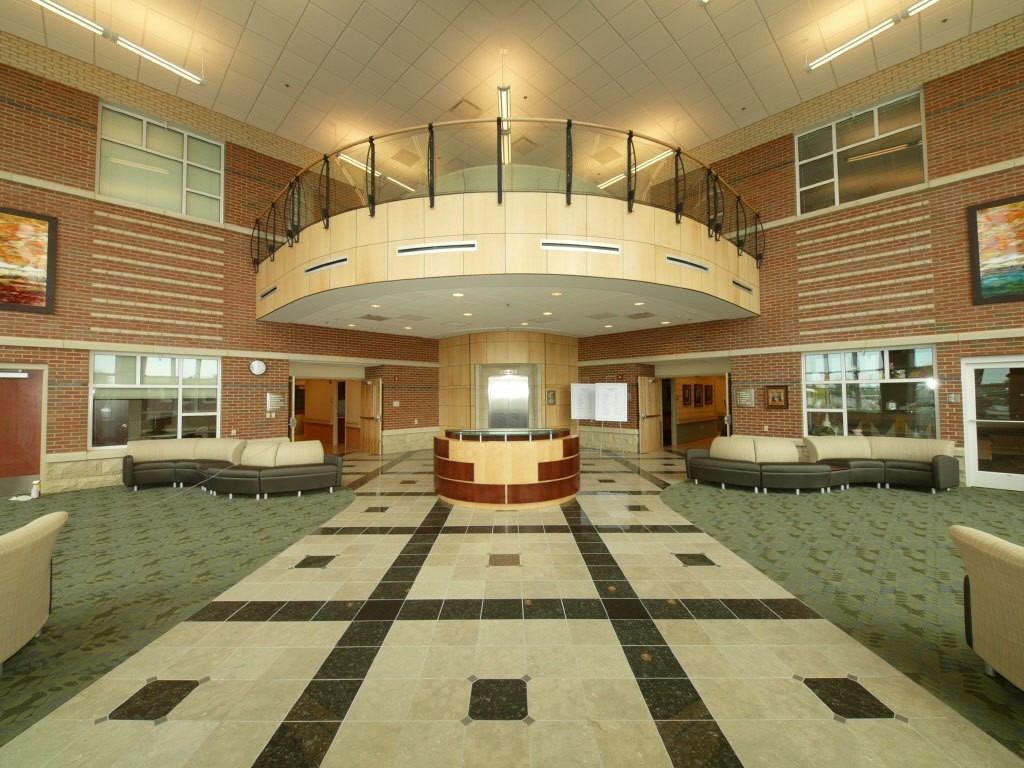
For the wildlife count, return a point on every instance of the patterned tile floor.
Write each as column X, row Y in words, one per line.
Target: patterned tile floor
column 603, row 632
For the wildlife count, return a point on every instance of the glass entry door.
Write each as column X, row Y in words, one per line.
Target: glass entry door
column 994, row 422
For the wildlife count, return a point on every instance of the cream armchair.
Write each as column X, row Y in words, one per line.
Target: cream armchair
column 25, row 581
column 993, row 601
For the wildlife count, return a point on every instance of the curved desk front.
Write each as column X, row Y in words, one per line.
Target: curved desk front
column 503, row 469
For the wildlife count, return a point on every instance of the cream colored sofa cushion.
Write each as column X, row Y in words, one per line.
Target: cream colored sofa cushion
column 260, row 453
column 775, row 450
column 218, row 449
column 163, row 450
column 909, row 448
column 306, row 452
column 734, row 447
column 824, row 447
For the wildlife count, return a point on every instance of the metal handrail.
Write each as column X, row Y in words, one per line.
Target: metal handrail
column 720, row 186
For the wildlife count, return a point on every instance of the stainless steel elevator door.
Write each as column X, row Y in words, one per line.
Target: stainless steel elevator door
column 508, row 402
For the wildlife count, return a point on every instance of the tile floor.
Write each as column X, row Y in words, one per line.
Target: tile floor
column 603, row 632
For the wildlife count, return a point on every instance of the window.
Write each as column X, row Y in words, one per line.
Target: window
column 871, row 392
column 870, row 152
column 143, row 397
column 145, row 162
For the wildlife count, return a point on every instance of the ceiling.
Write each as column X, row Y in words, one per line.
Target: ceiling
column 323, row 73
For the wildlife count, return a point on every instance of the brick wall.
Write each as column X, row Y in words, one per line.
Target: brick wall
column 620, row 372
column 416, row 390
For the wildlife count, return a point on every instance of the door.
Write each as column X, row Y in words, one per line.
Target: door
column 370, row 416
column 21, row 430
column 993, row 391
column 649, row 400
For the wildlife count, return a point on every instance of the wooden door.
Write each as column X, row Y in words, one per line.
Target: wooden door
column 21, row 431
column 370, row 416
column 649, row 401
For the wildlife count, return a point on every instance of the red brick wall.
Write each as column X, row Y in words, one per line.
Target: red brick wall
column 416, row 390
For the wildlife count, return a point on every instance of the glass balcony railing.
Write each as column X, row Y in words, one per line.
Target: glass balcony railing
column 532, row 155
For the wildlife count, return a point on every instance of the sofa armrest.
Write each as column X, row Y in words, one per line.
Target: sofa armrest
column 693, row 453
column 128, row 470
column 338, row 461
column 945, row 472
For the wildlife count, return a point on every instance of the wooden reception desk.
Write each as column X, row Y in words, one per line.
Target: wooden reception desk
column 502, row 469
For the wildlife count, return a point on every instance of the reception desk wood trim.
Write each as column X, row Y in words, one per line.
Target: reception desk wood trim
column 507, row 469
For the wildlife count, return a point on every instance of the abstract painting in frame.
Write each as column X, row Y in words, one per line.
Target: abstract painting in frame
column 997, row 250
column 686, row 394
column 28, row 247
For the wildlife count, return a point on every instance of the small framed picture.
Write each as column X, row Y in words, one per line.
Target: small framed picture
column 776, row 397
column 698, row 396
column 709, row 394
column 551, row 397
column 687, row 394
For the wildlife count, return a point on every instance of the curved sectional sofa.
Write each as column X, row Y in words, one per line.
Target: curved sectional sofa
column 774, row 463
column 228, row 465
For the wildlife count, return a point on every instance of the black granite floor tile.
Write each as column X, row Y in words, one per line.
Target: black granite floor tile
column 504, row 560
column 420, row 610
column 298, row 610
column 686, row 529
column 556, row 529
column 625, row 608
column 697, row 744
column 327, row 530
column 673, row 699
column 637, row 632
column 708, row 609
column 418, row 548
column 502, row 609
column 376, row 509
column 391, row 590
column 662, row 528
column 498, row 699
column 379, row 610
column 339, row 610
column 325, row 701
column 592, row 547
column 407, row 482
column 347, row 663
column 610, row 589
column 598, row 558
column 589, row 538
column 606, row 573
column 154, row 700
column 408, row 561
column 531, row 528
column 691, row 559
column 583, row 608
column 461, row 610
column 848, row 698
column 550, row 608
column 298, row 745
column 790, row 609
column 403, row 572
column 365, row 633
column 749, row 609
column 256, row 610
column 636, row 508
column 315, row 561
column 648, row 661
column 455, row 529
column 670, row 608
column 217, row 611
column 605, row 480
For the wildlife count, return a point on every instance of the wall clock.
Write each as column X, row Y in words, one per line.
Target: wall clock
column 257, row 367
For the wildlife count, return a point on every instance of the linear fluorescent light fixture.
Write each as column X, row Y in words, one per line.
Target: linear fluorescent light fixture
column 378, row 174
column 135, row 48
column 505, row 113
column 880, row 152
column 917, row 7
column 863, row 37
column 644, row 164
column 579, row 245
column 326, row 265
column 423, row 248
column 70, row 15
column 13, row 374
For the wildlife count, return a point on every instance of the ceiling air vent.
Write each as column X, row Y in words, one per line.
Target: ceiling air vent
column 268, row 292
column 640, row 316
column 742, row 287
column 602, row 316
column 326, row 265
column 375, row 318
column 421, row 248
column 579, row 245
column 684, row 263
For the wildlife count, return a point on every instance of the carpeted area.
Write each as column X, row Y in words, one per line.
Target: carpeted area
column 879, row 564
column 129, row 566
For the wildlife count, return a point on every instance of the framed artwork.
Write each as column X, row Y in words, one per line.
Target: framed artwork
column 776, row 397
column 709, row 394
column 687, row 394
column 997, row 250
column 28, row 257
column 698, row 395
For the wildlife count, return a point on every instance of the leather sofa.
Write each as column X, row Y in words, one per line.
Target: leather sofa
column 223, row 465
column 760, row 463
column 905, row 461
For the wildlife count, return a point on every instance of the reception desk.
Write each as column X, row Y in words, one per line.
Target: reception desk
column 502, row 469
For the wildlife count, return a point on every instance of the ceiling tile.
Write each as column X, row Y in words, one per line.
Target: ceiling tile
column 289, row 10
column 371, row 23
column 357, row 45
column 218, row 27
column 854, row 64
column 475, row 20
column 737, row 19
column 386, row 63
column 631, row 21
column 320, row 24
column 601, row 42
column 269, row 25
column 307, row 47
column 581, row 20
column 552, row 42
column 394, row 9
column 620, row 61
column 700, row 42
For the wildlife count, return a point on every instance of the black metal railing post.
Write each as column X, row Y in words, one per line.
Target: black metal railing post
column 324, row 190
column 759, row 240
column 270, row 239
column 568, row 162
column 741, row 233
column 370, row 183
column 630, row 172
column 430, row 163
column 500, row 179
column 680, row 177
column 254, row 246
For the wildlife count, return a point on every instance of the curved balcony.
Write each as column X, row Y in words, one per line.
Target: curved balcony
column 520, row 204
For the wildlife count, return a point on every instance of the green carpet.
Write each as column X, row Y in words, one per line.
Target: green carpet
column 129, row 566
column 879, row 564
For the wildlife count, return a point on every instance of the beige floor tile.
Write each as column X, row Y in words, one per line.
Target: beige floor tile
column 553, row 698
column 456, row 633
column 899, row 744
column 614, row 700
column 213, row 700
column 198, row 663
column 188, row 633
column 547, row 632
column 551, row 661
column 500, row 661
column 786, row 698
column 762, row 744
column 630, row 744
column 502, row 632
column 828, row 742
column 99, row 699
column 363, row 745
column 463, row 590
column 296, row 664
column 410, row 633
column 382, row 700
column 592, row 632
column 269, row 700
column 290, row 633
column 756, row 661
column 151, row 661
column 447, row 661
column 398, row 661
column 246, row 663
column 170, row 745
column 440, row 699
column 808, row 661
column 602, row 661
column 563, row 745
column 965, row 744
column 430, row 745
column 858, row 660
column 723, row 698
column 43, row 741
column 497, row 745
column 102, row 745
column 727, row 632
column 229, row 634
column 704, row 661
column 682, row 632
